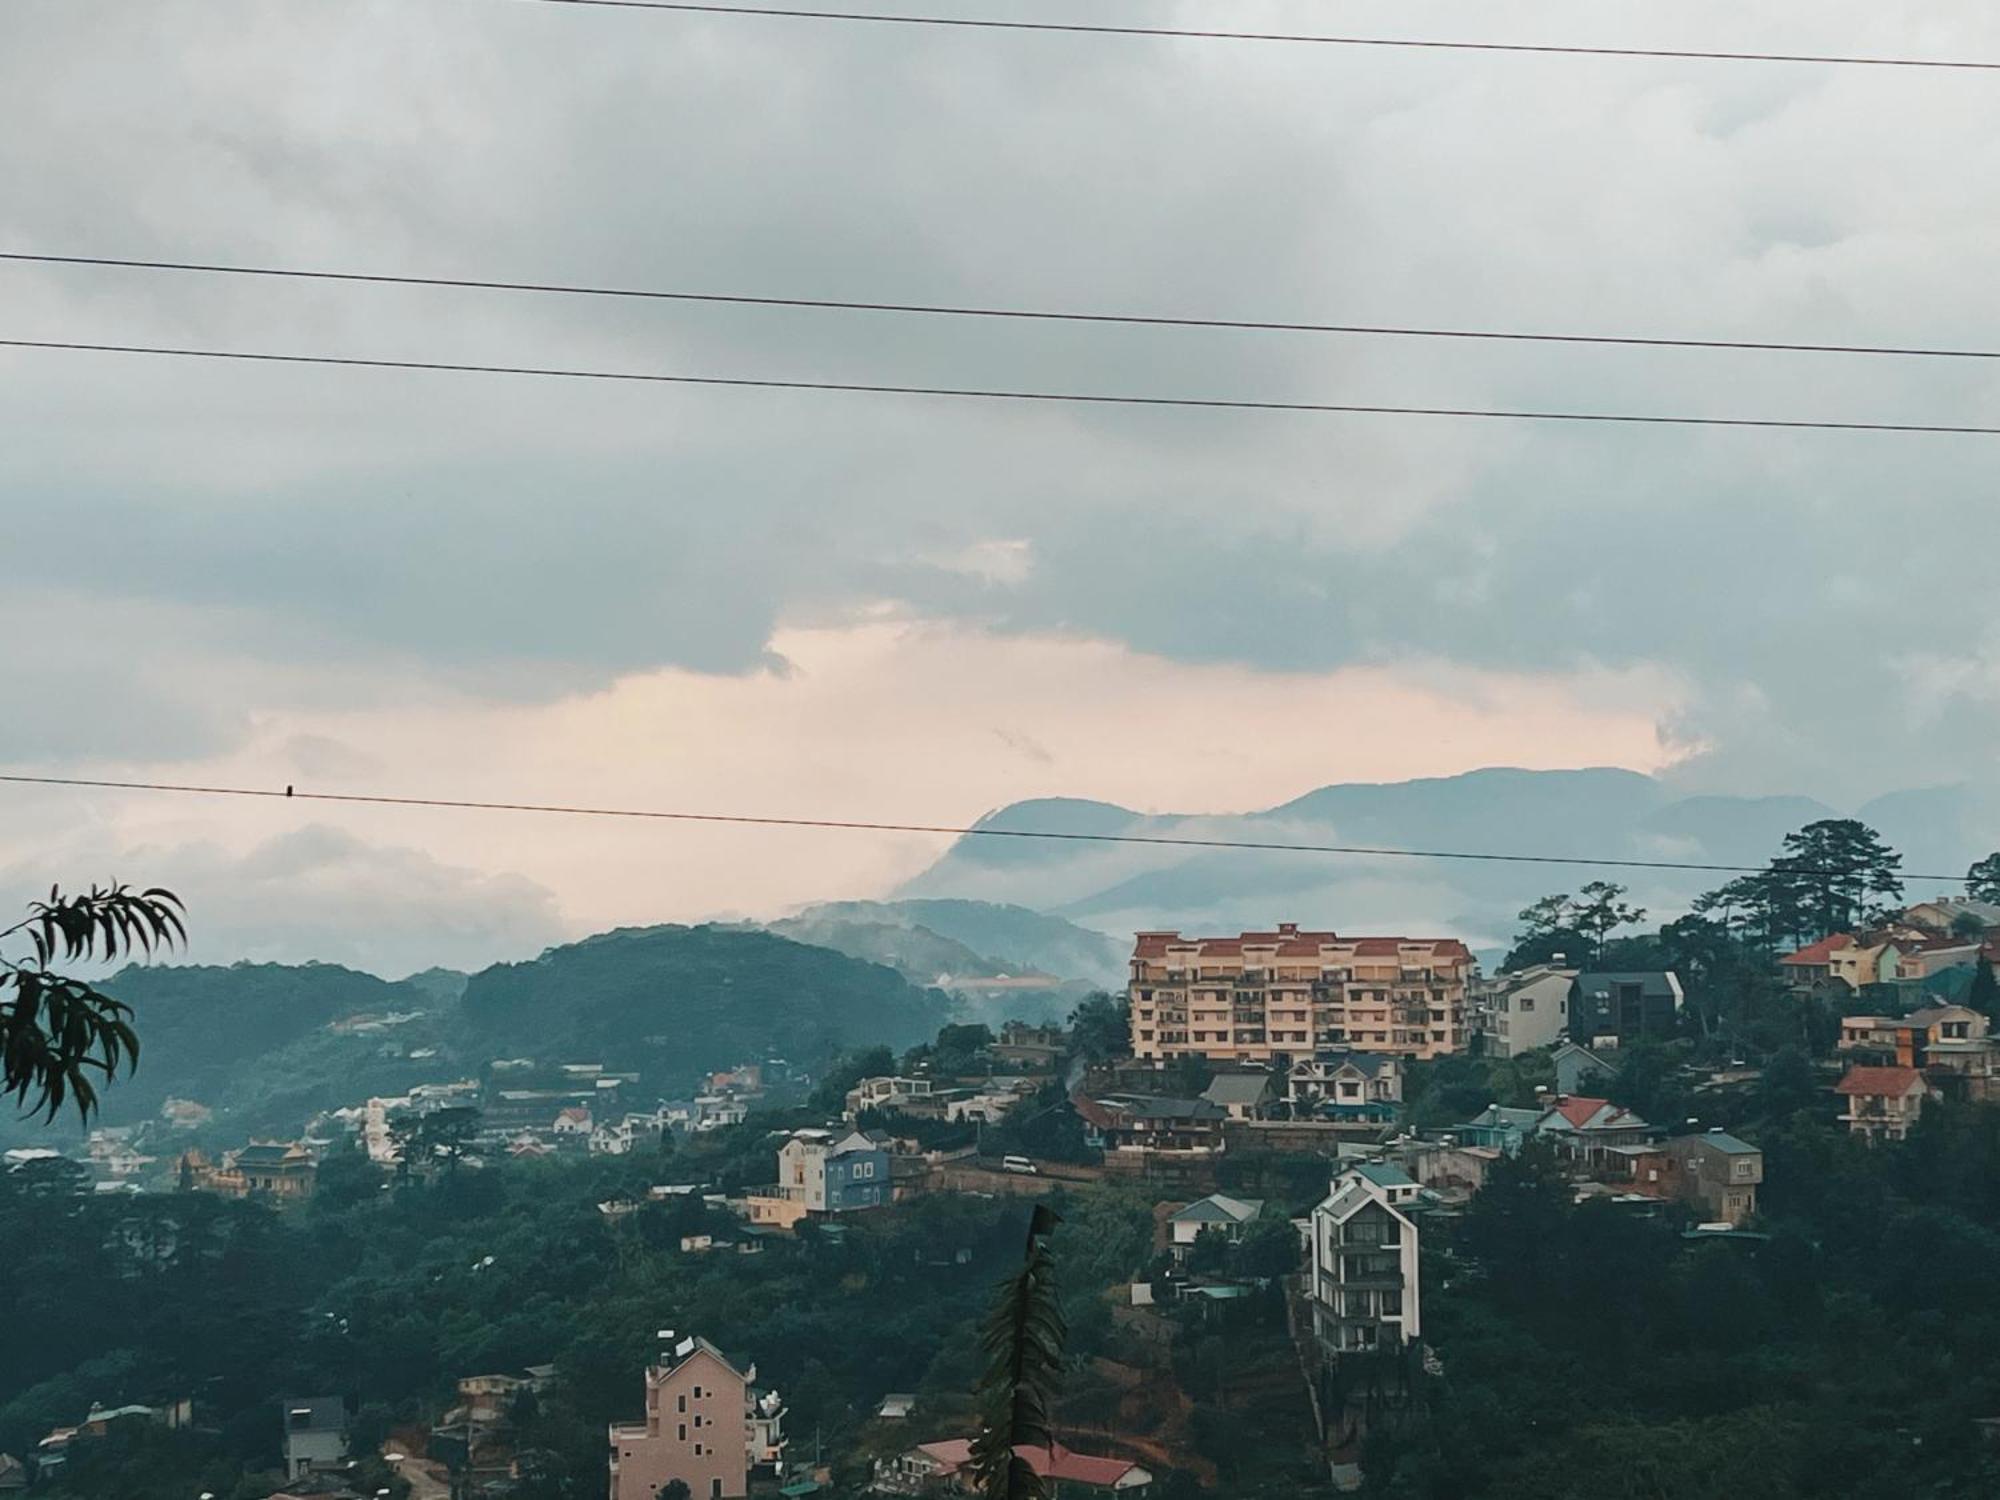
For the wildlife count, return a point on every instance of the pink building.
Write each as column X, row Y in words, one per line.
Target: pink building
column 705, row 1425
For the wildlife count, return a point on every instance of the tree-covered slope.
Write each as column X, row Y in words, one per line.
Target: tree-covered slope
column 673, row 1001
column 208, row 1031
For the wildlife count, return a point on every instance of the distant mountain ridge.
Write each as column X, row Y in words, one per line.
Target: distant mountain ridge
column 984, row 937
column 1601, row 812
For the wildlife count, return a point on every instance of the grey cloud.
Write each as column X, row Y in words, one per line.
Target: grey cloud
column 319, row 893
column 527, row 539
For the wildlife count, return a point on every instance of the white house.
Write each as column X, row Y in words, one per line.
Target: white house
column 1528, row 1009
column 1365, row 1291
column 1227, row 1216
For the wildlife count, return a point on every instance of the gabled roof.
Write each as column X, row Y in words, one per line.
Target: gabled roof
column 1368, row 1064
column 692, row 1347
column 1887, row 1083
column 1930, row 1015
column 1238, row 1088
column 1569, row 1048
column 1576, row 1112
column 272, row 1154
column 1723, row 1141
column 1502, row 1117
column 1650, row 981
column 1159, row 1107
column 1292, row 943
column 1064, row 1465
column 1219, row 1208
column 1821, row 952
column 1386, row 1174
column 320, row 1413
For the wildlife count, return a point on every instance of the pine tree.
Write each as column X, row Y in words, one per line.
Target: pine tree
column 1985, row 996
column 1023, row 1342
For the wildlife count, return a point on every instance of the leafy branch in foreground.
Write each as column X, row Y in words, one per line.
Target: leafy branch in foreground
column 57, row 1030
column 1023, row 1342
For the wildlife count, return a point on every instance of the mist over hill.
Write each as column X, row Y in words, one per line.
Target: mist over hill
column 1601, row 812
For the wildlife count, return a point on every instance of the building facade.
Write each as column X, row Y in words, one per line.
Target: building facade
column 835, row 1173
column 1882, row 1102
column 315, row 1433
column 1365, row 1291
column 1628, row 1006
column 1277, row 996
column 1365, row 1086
column 1526, row 1010
column 706, row 1425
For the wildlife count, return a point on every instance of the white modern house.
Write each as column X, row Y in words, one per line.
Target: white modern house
column 1365, row 1292
column 1528, row 1009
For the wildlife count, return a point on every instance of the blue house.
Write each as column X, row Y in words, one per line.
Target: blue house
column 1499, row 1128
column 835, row 1173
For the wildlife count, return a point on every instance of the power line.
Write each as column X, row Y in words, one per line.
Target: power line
column 1170, row 841
column 953, row 310
column 1190, row 34
column 1080, row 398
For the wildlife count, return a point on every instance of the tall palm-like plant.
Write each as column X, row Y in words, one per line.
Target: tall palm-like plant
column 1023, row 1342
column 57, row 1031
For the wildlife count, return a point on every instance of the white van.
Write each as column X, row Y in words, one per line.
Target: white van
column 1017, row 1164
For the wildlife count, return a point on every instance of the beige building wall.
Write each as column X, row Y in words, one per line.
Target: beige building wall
column 694, row 1432
column 1288, row 993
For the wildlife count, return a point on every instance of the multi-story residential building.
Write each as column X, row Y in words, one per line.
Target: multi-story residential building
column 887, row 1093
column 1715, row 1173
column 1627, row 1006
column 1134, row 1125
column 1278, row 996
column 1346, row 1086
column 1882, row 1102
column 267, row 1169
column 1527, row 1009
column 835, row 1173
column 706, row 1425
column 1948, row 914
column 1365, row 1291
column 315, row 1433
column 1718, row 1173
column 1030, row 1046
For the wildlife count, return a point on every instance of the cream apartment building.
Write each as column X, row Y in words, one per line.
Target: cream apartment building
column 1268, row 996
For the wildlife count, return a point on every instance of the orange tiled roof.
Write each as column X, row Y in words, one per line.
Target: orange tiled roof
column 1153, row 946
column 1875, row 1082
column 1821, row 951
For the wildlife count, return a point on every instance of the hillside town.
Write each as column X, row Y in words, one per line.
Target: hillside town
column 1311, row 1116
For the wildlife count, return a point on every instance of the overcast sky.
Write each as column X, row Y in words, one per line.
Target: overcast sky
column 798, row 603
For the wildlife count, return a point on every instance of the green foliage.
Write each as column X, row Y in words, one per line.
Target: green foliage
column 1984, row 995
column 1835, row 875
column 679, row 1001
column 1100, row 1027
column 829, row 1095
column 1022, row 1340
column 1982, row 880
column 1043, row 1126
column 1587, row 1352
column 434, row 1139
column 1579, row 926
column 57, row 1031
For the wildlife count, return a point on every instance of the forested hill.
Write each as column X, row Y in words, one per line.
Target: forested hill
column 202, row 1027
column 267, row 1046
column 671, row 1001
